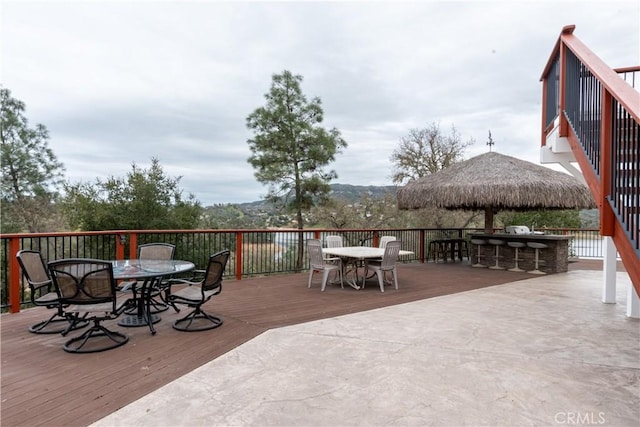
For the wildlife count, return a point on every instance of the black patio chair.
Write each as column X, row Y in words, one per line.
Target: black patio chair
column 87, row 286
column 152, row 251
column 197, row 292
column 42, row 293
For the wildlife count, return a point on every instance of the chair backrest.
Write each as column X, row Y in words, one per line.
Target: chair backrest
column 34, row 270
column 391, row 252
column 84, row 281
column 314, row 248
column 334, row 241
column 215, row 271
column 162, row 251
column 386, row 239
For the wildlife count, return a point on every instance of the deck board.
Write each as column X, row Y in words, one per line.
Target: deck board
column 43, row 386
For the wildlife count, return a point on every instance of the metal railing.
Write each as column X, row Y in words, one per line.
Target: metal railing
column 583, row 107
column 253, row 252
column 630, row 75
column 597, row 110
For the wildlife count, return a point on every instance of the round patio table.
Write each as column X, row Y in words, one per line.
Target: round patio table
column 148, row 272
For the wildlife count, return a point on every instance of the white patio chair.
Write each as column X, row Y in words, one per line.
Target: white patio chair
column 386, row 239
column 387, row 264
column 334, row 241
column 383, row 243
column 319, row 264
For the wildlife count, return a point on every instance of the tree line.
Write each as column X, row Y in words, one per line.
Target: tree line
column 291, row 153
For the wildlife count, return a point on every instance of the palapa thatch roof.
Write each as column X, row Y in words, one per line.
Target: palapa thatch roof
column 493, row 181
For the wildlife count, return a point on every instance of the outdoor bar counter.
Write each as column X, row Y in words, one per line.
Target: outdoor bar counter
column 553, row 259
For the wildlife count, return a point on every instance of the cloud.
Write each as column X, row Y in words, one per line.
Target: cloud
column 121, row 82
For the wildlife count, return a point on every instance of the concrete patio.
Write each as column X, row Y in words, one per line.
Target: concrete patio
column 542, row 351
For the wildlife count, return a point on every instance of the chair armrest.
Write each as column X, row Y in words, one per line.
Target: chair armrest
column 124, row 301
column 333, row 260
column 126, row 286
column 37, row 286
column 125, row 295
column 198, row 275
column 182, row 282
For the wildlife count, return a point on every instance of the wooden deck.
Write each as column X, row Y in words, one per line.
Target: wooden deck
column 44, row 386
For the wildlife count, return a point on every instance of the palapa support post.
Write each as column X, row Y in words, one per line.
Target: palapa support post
column 488, row 219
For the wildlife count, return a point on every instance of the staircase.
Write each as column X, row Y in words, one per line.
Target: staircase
column 591, row 116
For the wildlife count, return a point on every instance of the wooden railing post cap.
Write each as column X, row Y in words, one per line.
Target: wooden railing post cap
column 568, row 29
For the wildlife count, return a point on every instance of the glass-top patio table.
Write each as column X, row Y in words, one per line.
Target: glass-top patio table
column 147, row 272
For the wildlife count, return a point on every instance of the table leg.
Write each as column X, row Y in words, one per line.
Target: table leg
column 350, row 265
column 143, row 317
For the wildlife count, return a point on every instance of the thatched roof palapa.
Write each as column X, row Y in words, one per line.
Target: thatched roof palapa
column 492, row 182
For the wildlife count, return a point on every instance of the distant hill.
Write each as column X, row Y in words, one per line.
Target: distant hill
column 349, row 193
column 352, row 193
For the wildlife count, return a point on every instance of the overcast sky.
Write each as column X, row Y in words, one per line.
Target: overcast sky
column 117, row 82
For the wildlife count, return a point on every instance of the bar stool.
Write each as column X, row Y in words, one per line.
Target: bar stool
column 497, row 243
column 461, row 248
column 437, row 249
column 537, row 246
column 478, row 242
column 516, row 245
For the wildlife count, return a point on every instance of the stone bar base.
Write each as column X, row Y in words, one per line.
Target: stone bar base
column 553, row 259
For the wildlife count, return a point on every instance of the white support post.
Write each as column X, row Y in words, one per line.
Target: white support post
column 609, row 270
column 633, row 302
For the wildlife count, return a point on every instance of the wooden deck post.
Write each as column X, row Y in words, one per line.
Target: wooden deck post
column 14, row 276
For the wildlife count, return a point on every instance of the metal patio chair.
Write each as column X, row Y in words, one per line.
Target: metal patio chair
column 196, row 293
column 87, row 286
column 153, row 251
column 42, row 293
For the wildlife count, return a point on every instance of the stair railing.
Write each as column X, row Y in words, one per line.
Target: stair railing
column 598, row 111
